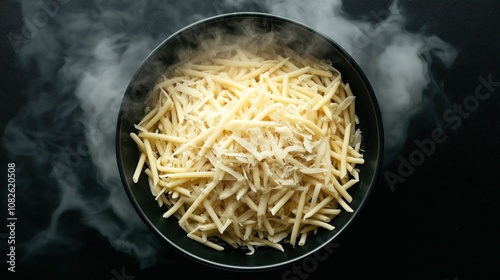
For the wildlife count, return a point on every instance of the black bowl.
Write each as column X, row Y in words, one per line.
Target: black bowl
column 298, row 37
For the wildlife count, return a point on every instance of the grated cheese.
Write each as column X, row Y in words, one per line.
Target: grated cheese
column 251, row 146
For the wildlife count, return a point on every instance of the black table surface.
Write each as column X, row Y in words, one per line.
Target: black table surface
column 433, row 214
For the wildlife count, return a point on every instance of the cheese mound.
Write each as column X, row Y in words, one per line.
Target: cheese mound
column 251, row 145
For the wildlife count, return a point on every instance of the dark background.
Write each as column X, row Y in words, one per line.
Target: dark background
column 438, row 220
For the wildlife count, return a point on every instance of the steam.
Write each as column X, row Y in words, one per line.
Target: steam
column 396, row 62
column 85, row 57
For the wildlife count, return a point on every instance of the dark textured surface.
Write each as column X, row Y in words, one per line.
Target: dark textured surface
column 436, row 217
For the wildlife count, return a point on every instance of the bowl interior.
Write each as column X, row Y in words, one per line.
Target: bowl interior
column 296, row 36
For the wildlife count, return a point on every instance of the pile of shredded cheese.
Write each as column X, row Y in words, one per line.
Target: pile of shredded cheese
column 252, row 146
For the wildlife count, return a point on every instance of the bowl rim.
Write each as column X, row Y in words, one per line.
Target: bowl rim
column 379, row 147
